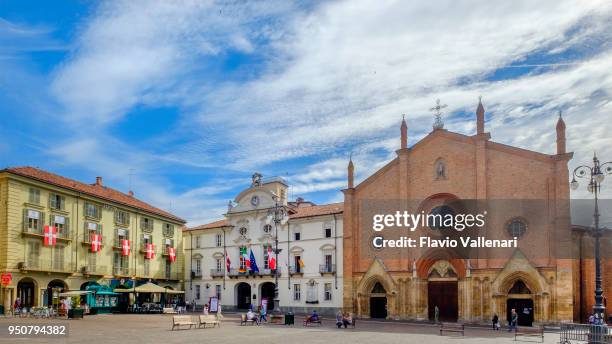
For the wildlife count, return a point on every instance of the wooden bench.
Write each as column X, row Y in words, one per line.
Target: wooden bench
column 451, row 327
column 244, row 320
column 178, row 320
column 529, row 332
column 169, row 310
column 308, row 321
column 208, row 319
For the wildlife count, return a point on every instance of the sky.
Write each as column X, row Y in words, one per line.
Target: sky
column 181, row 101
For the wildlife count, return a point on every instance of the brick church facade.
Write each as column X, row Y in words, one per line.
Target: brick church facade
column 446, row 167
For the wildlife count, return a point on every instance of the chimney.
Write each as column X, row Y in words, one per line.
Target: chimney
column 99, row 181
column 131, row 193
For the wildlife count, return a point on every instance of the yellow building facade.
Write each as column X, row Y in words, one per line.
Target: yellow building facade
column 32, row 199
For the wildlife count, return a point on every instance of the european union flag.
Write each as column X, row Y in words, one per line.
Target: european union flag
column 254, row 267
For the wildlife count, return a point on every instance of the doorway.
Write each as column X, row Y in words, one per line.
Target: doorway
column 378, row 302
column 444, row 295
column 25, row 292
column 267, row 293
column 54, row 288
column 378, row 307
column 243, row 290
column 524, row 309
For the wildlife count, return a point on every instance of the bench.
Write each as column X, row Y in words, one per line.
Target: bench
column 451, row 327
column 529, row 332
column 209, row 319
column 308, row 321
column 169, row 310
column 244, row 320
column 178, row 320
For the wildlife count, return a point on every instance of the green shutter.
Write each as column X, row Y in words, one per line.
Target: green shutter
column 41, row 221
column 63, row 202
column 25, row 219
column 52, row 201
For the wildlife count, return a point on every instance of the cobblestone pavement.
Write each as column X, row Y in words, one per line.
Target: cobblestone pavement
column 130, row 328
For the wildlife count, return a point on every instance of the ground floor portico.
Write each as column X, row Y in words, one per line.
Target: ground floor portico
column 300, row 294
column 445, row 290
column 42, row 289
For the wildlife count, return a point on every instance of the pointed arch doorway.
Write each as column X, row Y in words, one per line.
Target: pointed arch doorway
column 378, row 302
column 442, row 292
column 520, row 299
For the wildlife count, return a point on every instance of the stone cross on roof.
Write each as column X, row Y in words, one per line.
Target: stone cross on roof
column 438, row 124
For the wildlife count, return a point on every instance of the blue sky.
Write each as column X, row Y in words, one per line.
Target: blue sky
column 182, row 102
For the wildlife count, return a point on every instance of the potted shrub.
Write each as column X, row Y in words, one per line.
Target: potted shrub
column 75, row 312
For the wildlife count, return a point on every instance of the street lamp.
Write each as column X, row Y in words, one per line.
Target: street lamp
column 596, row 175
column 278, row 214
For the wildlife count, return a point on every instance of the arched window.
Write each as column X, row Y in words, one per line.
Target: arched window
column 378, row 289
column 519, row 287
column 516, row 227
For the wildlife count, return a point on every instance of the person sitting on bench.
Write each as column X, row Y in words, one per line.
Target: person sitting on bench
column 251, row 316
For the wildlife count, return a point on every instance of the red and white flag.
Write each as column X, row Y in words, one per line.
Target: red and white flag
column 96, row 242
column 271, row 259
column 172, row 254
column 228, row 263
column 50, row 236
column 150, row 251
column 125, row 247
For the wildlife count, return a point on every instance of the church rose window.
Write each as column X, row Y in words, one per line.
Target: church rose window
column 516, row 228
column 440, row 214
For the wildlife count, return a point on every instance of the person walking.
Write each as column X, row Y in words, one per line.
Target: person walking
column 262, row 314
column 495, row 321
column 513, row 320
column 436, row 314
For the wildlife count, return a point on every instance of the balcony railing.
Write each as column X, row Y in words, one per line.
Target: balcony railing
column 40, row 232
column 217, row 273
column 296, row 270
column 169, row 275
column 87, row 236
column 97, row 270
column 121, row 271
column 45, row 265
column 327, row 268
column 262, row 272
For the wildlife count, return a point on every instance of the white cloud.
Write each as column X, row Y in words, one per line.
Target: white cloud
column 338, row 77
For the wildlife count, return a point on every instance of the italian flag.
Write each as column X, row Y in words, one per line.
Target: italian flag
column 271, row 259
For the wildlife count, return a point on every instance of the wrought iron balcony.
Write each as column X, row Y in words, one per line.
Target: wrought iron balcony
column 40, row 232
column 95, row 270
column 196, row 274
column 327, row 269
column 45, row 265
column 121, row 271
column 296, row 270
column 217, row 272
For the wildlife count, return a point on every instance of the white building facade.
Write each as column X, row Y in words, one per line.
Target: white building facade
column 309, row 264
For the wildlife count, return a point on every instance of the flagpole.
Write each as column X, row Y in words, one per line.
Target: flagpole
column 225, row 256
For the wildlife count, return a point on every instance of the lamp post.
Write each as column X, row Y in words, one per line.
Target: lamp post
column 596, row 175
column 278, row 214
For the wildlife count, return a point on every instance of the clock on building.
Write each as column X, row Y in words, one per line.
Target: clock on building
column 255, row 200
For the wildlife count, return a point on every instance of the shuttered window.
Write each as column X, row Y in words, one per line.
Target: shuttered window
column 34, row 196
column 57, row 202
